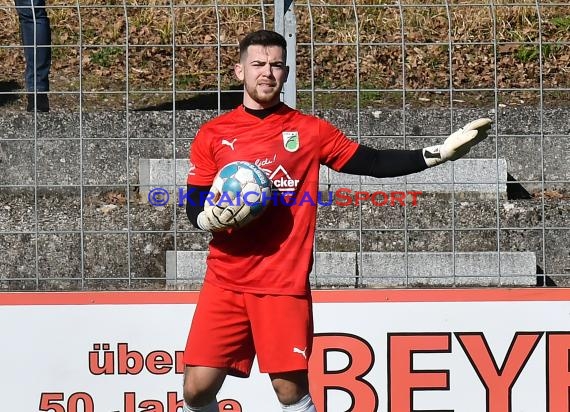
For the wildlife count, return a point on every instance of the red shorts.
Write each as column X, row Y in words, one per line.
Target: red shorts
column 229, row 328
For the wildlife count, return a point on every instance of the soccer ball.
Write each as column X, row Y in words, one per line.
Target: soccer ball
column 243, row 184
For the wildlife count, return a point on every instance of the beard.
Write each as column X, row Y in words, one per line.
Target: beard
column 263, row 97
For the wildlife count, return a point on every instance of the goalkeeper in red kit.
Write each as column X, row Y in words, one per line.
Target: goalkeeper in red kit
column 256, row 298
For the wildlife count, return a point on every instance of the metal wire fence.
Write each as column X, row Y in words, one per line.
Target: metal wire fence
column 131, row 82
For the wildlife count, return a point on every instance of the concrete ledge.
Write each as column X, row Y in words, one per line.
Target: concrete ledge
column 387, row 269
column 463, row 175
column 334, row 269
column 440, row 269
column 330, row 268
column 187, row 265
column 165, row 173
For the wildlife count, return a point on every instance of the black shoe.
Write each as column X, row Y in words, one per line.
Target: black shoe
column 39, row 102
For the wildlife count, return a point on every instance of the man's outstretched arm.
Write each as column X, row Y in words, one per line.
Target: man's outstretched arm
column 367, row 161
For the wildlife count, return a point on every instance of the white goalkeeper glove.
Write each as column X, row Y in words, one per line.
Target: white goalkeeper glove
column 458, row 144
column 218, row 216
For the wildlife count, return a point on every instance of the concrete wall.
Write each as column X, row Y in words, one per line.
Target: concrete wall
column 71, row 214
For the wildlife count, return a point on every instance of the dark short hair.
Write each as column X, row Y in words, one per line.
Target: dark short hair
column 262, row 38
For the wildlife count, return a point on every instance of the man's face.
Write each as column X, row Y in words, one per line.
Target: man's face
column 263, row 72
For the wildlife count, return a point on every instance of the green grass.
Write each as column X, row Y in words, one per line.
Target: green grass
column 528, row 53
column 561, row 22
column 187, row 81
column 106, row 56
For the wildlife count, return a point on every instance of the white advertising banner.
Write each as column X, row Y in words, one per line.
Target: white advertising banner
column 491, row 350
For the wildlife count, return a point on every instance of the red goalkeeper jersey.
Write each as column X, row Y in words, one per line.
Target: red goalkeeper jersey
column 274, row 253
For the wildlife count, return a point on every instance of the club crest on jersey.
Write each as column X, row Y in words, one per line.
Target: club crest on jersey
column 291, row 141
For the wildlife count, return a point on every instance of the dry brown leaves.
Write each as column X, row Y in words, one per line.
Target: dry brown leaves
column 465, row 46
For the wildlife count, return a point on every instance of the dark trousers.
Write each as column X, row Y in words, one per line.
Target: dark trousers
column 36, row 38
